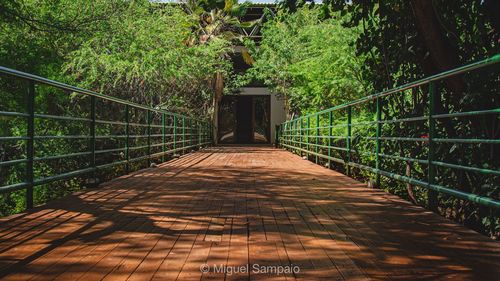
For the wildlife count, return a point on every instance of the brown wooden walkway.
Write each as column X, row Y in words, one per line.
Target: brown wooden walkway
column 236, row 206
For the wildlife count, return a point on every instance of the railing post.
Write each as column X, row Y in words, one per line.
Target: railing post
column 203, row 128
column 163, row 138
column 348, row 140
column 183, row 135
column 431, row 194
column 307, row 135
column 92, row 139
column 285, row 137
column 301, row 135
column 199, row 134
column 295, row 136
column 377, row 142
column 30, row 146
column 276, row 135
column 175, row 134
column 148, row 116
column 127, row 138
column 330, row 123
column 317, row 138
column 190, row 122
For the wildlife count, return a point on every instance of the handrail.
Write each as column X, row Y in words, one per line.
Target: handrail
column 463, row 69
column 63, row 86
column 161, row 139
column 312, row 135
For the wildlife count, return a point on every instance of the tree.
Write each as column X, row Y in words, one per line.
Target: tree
column 215, row 20
column 310, row 61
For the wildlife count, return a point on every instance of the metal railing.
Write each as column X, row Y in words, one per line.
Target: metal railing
column 328, row 136
column 165, row 133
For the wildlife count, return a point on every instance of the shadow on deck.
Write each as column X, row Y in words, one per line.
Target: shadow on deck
column 236, row 206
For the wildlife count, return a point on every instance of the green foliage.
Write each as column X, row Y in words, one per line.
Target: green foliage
column 394, row 48
column 145, row 53
column 136, row 50
column 312, row 62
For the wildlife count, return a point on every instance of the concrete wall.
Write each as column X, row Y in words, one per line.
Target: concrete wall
column 278, row 113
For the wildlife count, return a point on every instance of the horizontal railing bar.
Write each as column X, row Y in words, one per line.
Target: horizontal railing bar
column 13, row 114
column 69, row 118
column 110, row 122
column 316, row 154
column 421, row 82
column 138, row 124
column 312, row 144
column 466, row 168
column 13, row 162
column 63, row 176
column 490, row 141
column 112, row 164
column 13, row 187
column 457, row 193
column 14, row 138
column 421, row 161
column 314, row 128
column 46, row 180
column 63, row 86
column 409, row 159
column 109, row 150
column 313, row 136
column 55, row 157
column 364, row 123
column 396, row 139
column 409, row 119
column 130, row 136
column 468, row 113
column 62, row 137
column 113, row 136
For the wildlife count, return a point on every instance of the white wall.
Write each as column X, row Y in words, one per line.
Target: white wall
column 278, row 114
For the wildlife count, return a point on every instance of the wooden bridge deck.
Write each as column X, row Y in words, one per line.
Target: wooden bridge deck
column 236, row 206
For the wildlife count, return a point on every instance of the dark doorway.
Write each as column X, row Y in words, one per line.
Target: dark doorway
column 244, row 119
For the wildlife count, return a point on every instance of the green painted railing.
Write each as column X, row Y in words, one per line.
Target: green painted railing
column 328, row 136
column 166, row 134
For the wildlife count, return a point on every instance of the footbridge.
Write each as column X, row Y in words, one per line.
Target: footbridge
column 148, row 196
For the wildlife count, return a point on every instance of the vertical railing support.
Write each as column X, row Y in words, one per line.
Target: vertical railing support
column 377, row 142
column 431, row 194
column 92, row 140
column 286, row 138
column 148, row 116
column 348, row 140
column 175, row 134
column 183, row 135
column 163, row 137
column 301, row 135
column 127, row 138
column 30, row 144
column 295, row 136
column 330, row 124
column 316, row 142
column 199, row 134
column 190, row 122
column 308, row 125
column 277, row 136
